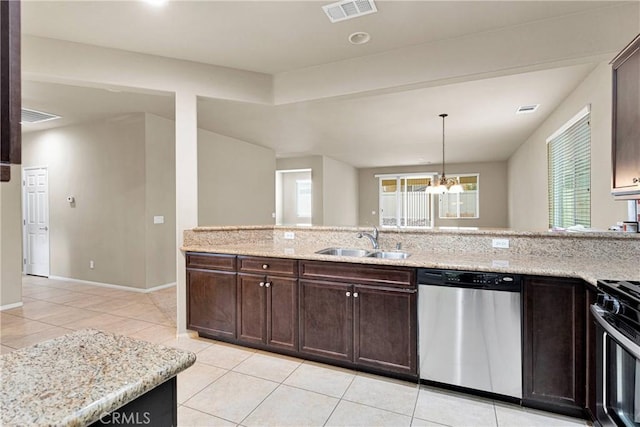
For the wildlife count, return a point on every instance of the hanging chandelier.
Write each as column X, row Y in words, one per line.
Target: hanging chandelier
column 442, row 184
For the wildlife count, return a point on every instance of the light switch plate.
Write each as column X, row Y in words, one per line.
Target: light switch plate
column 500, row 243
column 159, row 219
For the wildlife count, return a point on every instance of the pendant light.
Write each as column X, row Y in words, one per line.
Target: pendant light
column 443, row 184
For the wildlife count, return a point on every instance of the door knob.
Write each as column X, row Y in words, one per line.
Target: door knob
column 45, row 228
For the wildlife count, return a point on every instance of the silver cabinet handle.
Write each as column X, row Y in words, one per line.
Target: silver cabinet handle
column 348, row 294
column 45, row 228
column 355, row 295
column 261, row 284
column 265, row 266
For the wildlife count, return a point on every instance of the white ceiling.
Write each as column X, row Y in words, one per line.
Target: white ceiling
column 397, row 127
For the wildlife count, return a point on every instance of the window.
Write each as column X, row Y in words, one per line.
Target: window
column 404, row 202
column 303, row 198
column 569, row 169
column 461, row 205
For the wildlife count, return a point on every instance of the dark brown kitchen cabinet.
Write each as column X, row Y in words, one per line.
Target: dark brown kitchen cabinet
column 626, row 122
column 10, row 87
column 370, row 322
column 554, row 353
column 268, row 311
column 211, row 295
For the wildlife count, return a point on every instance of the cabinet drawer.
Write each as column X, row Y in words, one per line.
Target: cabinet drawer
column 286, row 267
column 359, row 273
column 211, row 261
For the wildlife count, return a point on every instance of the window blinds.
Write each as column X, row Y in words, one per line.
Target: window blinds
column 569, row 169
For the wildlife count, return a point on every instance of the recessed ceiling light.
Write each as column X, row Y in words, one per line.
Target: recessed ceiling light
column 359, row 38
column 526, row 109
column 157, row 3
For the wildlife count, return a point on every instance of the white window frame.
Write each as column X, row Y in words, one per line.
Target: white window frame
column 458, row 195
column 399, row 199
column 579, row 192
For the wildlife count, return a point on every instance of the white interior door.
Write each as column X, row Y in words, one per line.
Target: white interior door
column 36, row 221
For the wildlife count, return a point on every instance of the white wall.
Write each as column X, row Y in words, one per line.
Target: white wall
column 11, row 239
column 527, row 167
column 493, row 193
column 340, row 193
column 235, row 181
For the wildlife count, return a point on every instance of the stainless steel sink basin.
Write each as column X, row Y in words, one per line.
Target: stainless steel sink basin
column 389, row 255
column 345, row 252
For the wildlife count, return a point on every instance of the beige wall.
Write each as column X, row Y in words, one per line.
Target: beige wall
column 527, row 167
column 315, row 163
column 340, row 193
column 160, row 179
column 121, row 173
column 11, row 239
column 493, row 193
column 236, row 181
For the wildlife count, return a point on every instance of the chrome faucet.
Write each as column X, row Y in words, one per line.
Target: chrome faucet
column 371, row 236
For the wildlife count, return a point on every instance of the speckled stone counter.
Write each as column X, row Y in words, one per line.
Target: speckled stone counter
column 589, row 256
column 75, row 379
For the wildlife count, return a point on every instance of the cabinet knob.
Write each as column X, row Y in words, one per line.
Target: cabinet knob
column 348, row 294
column 355, row 295
column 265, row 266
column 261, row 284
column 268, row 284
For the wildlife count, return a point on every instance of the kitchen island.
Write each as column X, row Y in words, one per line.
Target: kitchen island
column 91, row 376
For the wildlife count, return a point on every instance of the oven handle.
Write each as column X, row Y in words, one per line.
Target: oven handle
column 625, row 342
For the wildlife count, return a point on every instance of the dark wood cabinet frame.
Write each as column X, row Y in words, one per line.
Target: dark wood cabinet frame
column 10, row 93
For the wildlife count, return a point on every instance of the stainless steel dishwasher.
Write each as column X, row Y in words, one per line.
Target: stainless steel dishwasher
column 470, row 332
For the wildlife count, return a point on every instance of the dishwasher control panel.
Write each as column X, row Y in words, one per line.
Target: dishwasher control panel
column 470, row 279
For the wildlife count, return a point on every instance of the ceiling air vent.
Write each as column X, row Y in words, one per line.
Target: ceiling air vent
column 33, row 116
column 348, row 9
column 525, row 109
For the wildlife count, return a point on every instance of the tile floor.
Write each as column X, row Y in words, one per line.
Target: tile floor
column 231, row 385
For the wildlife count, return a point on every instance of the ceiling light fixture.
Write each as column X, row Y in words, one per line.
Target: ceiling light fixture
column 444, row 184
column 157, row 3
column 359, row 38
column 526, row 109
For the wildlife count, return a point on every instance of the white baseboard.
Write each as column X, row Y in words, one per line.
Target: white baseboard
column 10, row 306
column 109, row 285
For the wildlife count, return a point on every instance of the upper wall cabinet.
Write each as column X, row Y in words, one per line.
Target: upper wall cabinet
column 10, row 95
column 626, row 122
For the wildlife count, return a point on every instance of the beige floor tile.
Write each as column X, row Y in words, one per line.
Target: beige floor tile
column 8, row 319
column 515, row 416
column 270, row 367
column 289, row 406
column 196, row 378
column 127, row 326
column 384, row 393
column 68, row 315
column 224, row 356
column 417, row 422
column 22, row 328
column 98, row 321
column 454, row 409
column 188, row 417
column 67, row 297
column 354, row 414
column 133, row 310
column 88, row 300
column 193, row 344
column 323, row 379
column 5, row 349
column 36, row 309
column 155, row 334
column 110, row 305
column 232, row 397
column 27, row 340
column 46, row 293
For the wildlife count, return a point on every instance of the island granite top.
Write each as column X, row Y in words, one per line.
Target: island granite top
column 75, row 379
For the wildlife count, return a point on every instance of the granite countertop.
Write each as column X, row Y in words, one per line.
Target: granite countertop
column 586, row 268
column 75, row 379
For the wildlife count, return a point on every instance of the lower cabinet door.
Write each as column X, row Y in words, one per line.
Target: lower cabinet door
column 326, row 320
column 385, row 329
column 252, row 325
column 211, row 303
column 282, row 313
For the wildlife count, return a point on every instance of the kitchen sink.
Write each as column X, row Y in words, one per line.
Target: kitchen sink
column 363, row 253
column 345, row 252
column 389, row 255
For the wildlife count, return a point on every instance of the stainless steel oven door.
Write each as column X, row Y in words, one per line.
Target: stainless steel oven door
column 618, row 380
